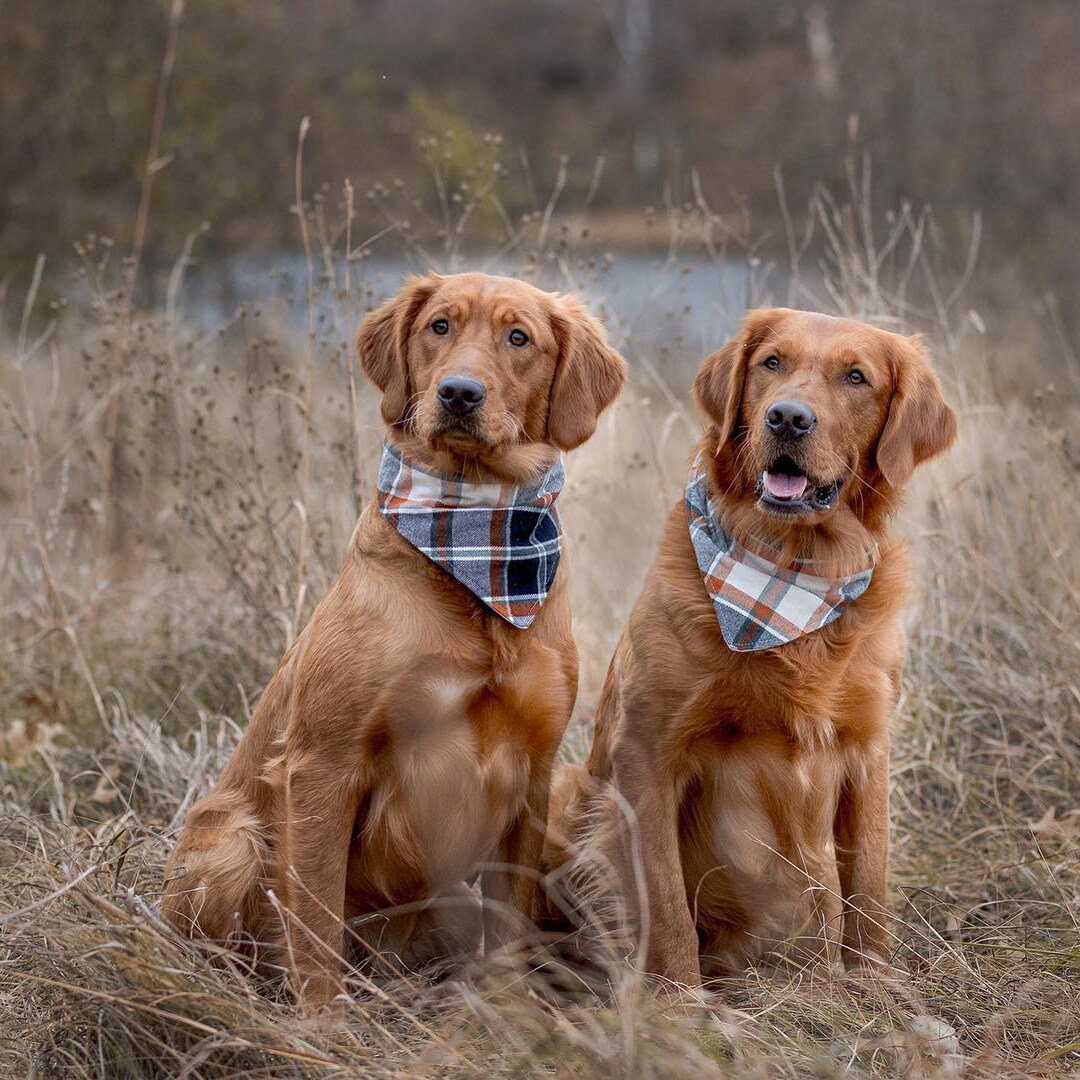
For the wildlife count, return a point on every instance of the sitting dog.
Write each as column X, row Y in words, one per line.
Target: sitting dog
column 735, row 802
column 408, row 736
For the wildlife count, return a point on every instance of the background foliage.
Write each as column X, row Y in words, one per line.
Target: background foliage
column 974, row 102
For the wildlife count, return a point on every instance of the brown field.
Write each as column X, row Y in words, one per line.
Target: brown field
column 172, row 502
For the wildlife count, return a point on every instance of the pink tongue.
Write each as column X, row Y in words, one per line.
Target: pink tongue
column 782, row 486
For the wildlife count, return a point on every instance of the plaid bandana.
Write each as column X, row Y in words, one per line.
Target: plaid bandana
column 759, row 604
column 501, row 541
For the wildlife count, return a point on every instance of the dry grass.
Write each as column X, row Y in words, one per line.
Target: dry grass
column 173, row 501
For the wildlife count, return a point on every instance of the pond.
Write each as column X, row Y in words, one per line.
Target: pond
column 665, row 311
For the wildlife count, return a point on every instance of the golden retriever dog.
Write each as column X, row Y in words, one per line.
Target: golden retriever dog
column 736, row 794
column 407, row 738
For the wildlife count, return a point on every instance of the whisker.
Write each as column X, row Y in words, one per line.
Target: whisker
column 853, row 472
column 412, row 406
column 742, row 454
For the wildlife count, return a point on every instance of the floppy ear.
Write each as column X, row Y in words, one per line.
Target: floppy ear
column 920, row 425
column 588, row 376
column 718, row 388
column 383, row 344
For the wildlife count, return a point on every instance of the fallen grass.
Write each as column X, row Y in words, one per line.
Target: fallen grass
column 153, row 570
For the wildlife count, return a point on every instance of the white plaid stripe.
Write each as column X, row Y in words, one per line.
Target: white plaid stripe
column 759, row 604
column 501, row 541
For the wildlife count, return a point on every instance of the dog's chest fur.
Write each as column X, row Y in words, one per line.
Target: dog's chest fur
column 770, row 740
column 450, row 754
column 757, row 834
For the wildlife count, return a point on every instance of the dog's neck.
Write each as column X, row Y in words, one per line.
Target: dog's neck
column 516, row 463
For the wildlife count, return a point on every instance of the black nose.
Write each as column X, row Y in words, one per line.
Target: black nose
column 790, row 419
column 459, row 395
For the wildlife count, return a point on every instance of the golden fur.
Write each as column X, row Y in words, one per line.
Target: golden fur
column 758, row 782
column 409, row 733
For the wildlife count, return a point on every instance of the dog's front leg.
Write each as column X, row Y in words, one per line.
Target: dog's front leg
column 862, row 845
column 650, row 868
column 320, row 811
column 510, row 884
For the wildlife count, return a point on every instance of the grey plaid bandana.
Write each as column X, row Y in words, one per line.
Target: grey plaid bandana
column 758, row 603
column 501, row 541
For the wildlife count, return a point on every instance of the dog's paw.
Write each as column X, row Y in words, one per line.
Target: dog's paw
column 869, row 968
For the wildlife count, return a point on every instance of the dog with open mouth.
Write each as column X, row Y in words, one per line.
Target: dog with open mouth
column 735, row 800
column 406, row 742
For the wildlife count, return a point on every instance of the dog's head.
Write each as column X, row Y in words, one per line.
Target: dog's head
column 818, row 417
column 489, row 369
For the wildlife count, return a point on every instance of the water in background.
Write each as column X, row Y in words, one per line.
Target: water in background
column 668, row 312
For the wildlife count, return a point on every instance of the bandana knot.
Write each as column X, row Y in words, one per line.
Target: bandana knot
column 501, row 541
column 760, row 604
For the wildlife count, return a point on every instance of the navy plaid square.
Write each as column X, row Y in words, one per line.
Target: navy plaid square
column 501, row 541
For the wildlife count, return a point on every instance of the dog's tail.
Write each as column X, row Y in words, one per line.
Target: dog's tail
column 214, row 880
column 217, row 876
column 584, row 872
column 571, row 790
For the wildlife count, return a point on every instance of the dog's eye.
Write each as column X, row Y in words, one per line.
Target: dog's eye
column 771, row 362
column 856, row 377
column 440, row 327
column 518, row 338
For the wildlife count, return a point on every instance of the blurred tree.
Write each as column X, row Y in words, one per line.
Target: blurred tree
column 971, row 103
